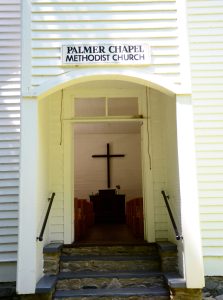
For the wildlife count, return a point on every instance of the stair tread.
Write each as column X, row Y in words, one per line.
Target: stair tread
column 46, row 284
column 110, row 250
column 110, row 244
column 175, row 280
column 154, row 291
column 52, row 248
column 167, row 246
column 107, row 257
column 107, row 244
column 94, row 274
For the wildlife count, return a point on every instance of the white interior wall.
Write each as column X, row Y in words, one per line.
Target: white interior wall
column 91, row 173
column 164, row 162
column 172, row 173
column 157, row 109
column 56, row 170
column 171, row 162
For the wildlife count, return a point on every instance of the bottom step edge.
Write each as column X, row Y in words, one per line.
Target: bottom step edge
column 124, row 292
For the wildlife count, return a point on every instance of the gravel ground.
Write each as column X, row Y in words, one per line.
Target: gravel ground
column 212, row 296
column 213, row 288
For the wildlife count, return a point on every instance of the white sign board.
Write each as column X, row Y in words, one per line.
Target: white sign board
column 87, row 54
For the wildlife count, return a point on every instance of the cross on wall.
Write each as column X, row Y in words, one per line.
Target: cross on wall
column 108, row 156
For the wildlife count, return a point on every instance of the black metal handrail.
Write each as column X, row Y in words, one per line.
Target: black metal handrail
column 178, row 235
column 40, row 237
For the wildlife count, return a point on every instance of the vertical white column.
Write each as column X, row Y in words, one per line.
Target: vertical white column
column 188, row 189
column 26, row 266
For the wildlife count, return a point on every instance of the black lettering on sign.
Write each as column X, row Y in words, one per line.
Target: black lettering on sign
column 108, row 53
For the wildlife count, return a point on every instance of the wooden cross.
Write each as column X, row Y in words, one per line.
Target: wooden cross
column 108, row 156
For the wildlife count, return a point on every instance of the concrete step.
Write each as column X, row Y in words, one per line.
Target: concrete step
column 128, row 250
column 106, row 280
column 157, row 293
column 109, row 263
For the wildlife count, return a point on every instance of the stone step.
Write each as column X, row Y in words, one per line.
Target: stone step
column 127, row 274
column 66, row 258
column 109, row 263
column 149, row 249
column 157, row 293
column 111, row 273
column 105, row 280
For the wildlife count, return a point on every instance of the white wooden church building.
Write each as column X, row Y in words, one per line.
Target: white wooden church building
column 145, row 76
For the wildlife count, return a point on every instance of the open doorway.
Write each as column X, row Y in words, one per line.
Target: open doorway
column 108, row 171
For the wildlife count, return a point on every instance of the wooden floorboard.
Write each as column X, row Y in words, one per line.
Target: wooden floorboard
column 106, row 234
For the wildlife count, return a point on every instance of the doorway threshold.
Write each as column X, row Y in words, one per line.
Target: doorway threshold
column 109, row 234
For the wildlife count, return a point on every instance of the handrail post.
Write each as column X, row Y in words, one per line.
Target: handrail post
column 40, row 237
column 178, row 235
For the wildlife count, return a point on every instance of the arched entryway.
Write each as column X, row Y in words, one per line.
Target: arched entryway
column 144, row 92
column 35, row 150
column 157, row 135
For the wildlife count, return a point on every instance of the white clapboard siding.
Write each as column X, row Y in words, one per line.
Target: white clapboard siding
column 205, row 22
column 55, row 23
column 9, row 130
column 8, row 231
column 56, row 227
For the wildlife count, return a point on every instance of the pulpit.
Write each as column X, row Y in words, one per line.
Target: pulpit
column 109, row 207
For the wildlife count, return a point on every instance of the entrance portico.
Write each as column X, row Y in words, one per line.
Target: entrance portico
column 35, row 166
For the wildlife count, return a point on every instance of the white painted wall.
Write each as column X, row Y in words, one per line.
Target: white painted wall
column 57, row 23
column 56, row 221
column 171, row 162
column 172, row 174
column 165, row 167
column 157, row 108
column 206, row 41
column 10, row 64
column 91, row 173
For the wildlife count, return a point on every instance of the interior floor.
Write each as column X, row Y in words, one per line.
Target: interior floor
column 114, row 234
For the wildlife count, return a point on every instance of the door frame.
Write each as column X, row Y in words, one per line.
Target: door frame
column 68, row 146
